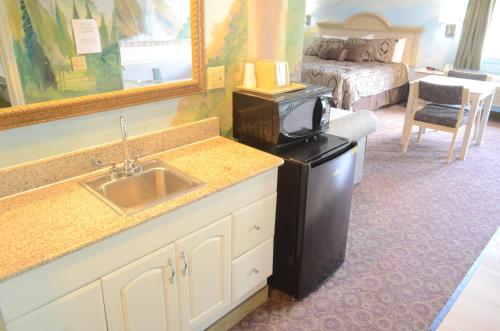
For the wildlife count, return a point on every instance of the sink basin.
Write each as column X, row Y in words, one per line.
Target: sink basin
column 157, row 183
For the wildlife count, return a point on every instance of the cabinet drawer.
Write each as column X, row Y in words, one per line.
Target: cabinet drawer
column 253, row 225
column 252, row 268
column 81, row 310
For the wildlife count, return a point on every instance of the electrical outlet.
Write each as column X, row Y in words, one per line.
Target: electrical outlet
column 215, row 77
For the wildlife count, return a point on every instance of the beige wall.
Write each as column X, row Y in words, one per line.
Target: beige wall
column 267, row 22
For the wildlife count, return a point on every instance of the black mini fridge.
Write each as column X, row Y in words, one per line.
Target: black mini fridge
column 312, row 216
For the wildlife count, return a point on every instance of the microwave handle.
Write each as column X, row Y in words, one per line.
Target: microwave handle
column 323, row 103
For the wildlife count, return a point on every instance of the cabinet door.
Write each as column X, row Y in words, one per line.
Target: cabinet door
column 81, row 310
column 143, row 295
column 203, row 261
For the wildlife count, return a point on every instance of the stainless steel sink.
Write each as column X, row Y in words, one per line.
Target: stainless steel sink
column 156, row 183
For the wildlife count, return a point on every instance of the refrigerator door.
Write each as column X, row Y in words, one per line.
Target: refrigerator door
column 326, row 219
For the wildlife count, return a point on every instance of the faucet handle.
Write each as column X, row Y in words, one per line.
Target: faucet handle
column 113, row 170
column 97, row 163
column 136, row 164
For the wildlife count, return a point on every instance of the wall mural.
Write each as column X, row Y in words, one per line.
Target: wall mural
column 228, row 45
column 45, row 48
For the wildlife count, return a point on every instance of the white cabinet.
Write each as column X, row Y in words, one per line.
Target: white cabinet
column 203, row 262
column 143, row 294
column 81, row 310
column 181, row 271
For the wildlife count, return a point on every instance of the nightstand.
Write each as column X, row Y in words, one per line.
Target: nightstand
column 422, row 72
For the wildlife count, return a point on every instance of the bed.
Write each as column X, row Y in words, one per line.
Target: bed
column 368, row 84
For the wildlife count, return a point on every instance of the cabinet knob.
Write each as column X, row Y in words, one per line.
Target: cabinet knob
column 255, row 270
column 185, row 270
column 257, row 227
column 172, row 271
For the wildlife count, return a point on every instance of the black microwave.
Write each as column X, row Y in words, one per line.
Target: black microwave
column 279, row 120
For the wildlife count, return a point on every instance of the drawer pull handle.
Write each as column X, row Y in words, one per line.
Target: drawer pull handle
column 172, row 271
column 257, row 227
column 255, row 271
column 185, row 270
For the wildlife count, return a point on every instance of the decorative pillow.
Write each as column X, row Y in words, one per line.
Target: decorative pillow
column 336, row 53
column 357, row 52
column 368, row 50
column 313, row 49
column 327, row 43
column 383, row 50
column 380, row 50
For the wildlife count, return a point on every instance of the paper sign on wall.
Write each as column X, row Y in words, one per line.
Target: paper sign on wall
column 87, row 38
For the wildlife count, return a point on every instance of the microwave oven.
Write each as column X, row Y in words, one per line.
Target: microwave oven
column 279, row 120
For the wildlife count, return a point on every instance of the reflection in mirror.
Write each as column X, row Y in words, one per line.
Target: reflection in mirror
column 71, row 48
column 155, row 48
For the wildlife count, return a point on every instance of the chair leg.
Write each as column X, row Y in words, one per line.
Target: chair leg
column 452, row 147
column 407, row 140
column 421, row 131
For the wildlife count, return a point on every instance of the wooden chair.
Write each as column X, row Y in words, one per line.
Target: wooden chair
column 474, row 75
column 439, row 112
column 468, row 74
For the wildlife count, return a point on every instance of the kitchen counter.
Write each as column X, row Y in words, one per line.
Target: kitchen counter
column 42, row 225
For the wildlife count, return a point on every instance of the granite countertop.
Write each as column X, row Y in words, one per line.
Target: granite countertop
column 42, row 225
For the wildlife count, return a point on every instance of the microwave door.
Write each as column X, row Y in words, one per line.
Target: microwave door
column 297, row 119
column 304, row 118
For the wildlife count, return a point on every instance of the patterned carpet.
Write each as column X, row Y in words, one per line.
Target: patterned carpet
column 417, row 225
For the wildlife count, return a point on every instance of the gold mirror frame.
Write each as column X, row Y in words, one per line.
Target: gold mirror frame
column 17, row 116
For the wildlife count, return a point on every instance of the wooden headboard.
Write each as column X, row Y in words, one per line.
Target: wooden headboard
column 369, row 23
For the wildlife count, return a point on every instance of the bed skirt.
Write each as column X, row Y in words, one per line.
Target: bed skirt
column 393, row 96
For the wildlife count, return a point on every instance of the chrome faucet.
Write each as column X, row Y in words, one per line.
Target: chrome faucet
column 123, row 127
column 130, row 167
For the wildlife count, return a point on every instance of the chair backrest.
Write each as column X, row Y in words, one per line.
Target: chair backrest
column 440, row 94
column 475, row 75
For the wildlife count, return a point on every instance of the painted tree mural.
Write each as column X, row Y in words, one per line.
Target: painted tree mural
column 42, row 75
column 76, row 16
column 234, row 33
column 228, row 47
column 66, row 43
column 129, row 17
column 88, row 11
column 44, row 46
column 103, row 32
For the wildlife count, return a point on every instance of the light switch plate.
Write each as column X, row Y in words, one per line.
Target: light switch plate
column 215, row 77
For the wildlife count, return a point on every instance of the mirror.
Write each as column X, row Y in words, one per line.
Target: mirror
column 64, row 58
